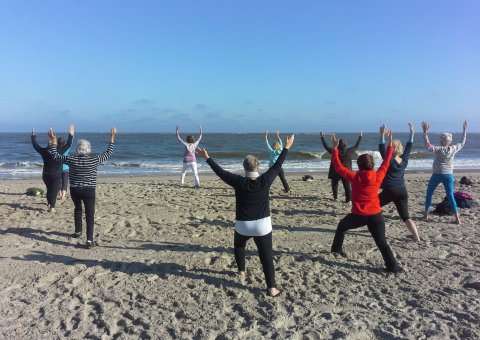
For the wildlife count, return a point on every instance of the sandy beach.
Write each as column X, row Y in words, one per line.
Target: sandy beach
column 164, row 267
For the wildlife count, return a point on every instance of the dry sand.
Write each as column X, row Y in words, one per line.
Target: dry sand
column 164, row 267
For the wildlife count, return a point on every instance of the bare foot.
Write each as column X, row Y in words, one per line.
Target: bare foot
column 52, row 210
column 274, row 292
column 425, row 215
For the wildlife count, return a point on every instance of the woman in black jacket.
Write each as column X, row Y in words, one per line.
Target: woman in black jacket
column 252, row 212
column 51, row 173
column 345, row 154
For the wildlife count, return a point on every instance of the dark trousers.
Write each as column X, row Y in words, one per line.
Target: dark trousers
column 65, row 180
column 376, row 226
column 281, row 174
column 346, row 187
column 399, row 196
column 53, row 186
column 87, row 196
column 264, row 246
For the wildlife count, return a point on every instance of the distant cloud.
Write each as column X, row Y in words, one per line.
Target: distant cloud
column 144, row 102
column 200, row 107
column 329, row 103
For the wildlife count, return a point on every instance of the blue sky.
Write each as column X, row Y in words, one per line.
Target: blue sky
column 239, row 66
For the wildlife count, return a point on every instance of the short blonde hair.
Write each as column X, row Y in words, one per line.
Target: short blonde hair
column 250, row 163
column 276, row 146
column 83, row 147
column 397, row 148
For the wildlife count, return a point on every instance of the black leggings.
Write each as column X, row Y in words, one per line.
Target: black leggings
column 53, row 186
column 87, row 196
column 64, row 180
column 264, row 246
column 346, row 187
column 399, row 196
column 376, row 226
column 281, row 174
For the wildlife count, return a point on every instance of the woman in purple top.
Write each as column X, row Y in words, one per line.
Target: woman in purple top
column 189, row 159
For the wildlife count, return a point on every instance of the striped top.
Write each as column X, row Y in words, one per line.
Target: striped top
column 83, row 169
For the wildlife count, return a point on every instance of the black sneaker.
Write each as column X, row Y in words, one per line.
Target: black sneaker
column 395, row 270
column 90, row 244
column 340, row 253
column 77, row 234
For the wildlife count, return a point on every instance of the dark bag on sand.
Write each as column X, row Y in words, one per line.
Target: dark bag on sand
column 465, row 181
column 307, row 178
column 443, row 208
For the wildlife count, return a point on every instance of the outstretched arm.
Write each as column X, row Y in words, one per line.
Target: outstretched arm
column 382, row 170
column 426, row 141
column 381, row 146
column 325, row 145
column 267, row 144
column 107, row 154
column 224, row 175
column 199, row 137
column 71, row 133
column 179, row 138
column 35, row 145
column 357, row 144
column 53, row 147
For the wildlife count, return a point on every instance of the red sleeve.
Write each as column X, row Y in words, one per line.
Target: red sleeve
column 338, row 166
column 382, row 170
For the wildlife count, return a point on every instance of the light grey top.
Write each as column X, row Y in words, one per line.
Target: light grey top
column 444, row 155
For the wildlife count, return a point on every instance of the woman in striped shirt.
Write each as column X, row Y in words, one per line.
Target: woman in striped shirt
column 83, row 179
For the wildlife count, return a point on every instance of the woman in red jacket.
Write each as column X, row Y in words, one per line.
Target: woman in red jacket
column 366, row 208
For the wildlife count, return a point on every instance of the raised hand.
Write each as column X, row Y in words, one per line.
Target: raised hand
column 465, row 125
column 334, row 141
column 266, row 134
column 278, row 135
column 289, row 141
column 33, row 132
column 425, row 127
column 202, row 153
column 52, row 136
column 176, row 130
column 71, row 130
column 383, row 128
column 390, row 137
column 361, row 133
column 410, row 127
column 113, row 133
column 201, row 131
column 322, row 134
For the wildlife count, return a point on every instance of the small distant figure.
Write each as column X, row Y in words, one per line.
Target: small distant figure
column 274, row 152
column 63, row 150
column 345, row 154
column 189, row 159
column 443, row 167
column 252, row 211
column 366, row 208
column 83, row 179
column 393, row 186
column 51, row 173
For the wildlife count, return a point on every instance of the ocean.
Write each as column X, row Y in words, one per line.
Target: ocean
column 146, row 154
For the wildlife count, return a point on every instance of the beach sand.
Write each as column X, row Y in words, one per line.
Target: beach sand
column 164, row 267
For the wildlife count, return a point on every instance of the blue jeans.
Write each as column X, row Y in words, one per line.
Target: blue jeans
column 447, row 181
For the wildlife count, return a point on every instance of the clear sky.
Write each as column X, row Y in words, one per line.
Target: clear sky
column 239, row 66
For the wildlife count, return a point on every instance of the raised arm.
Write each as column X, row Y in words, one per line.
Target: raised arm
column 325, row 145
column 357, row 144
column 337, row 165
column 426, row 141
column 107, row 154
column 279, row 139
column 382, row 170
column 199, row 137
column 381, row 146
column 179, row 138
column 35, row 145
column 53, row 148
column 71, row 133
column 267, row 144
column 224, row 175
column 409, row 144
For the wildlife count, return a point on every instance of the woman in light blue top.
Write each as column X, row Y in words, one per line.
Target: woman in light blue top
column 443, row 166
column 62, row 149
column 274, row 151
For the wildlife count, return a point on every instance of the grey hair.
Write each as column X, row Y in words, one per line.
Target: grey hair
column 446, row 139
column 250, row 163
column 83, row 147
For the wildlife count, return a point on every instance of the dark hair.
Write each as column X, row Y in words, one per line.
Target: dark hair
column 365, row 162
column 61, row 141
column 342, row 144
column 190, row 139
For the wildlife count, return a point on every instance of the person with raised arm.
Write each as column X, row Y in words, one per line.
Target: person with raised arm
column 345, row 154
column 51, row 173
column 393, row 186
column 252, row 210
column 443, row 157
column 83, row 179
column 189, row 159
column 274, row 151
column 366, row 208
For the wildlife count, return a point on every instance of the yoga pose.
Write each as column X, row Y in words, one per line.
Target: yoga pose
column 365, row 203
column 83, row 179
column 63, row 148
column 345, row 154
column 393, row 186
column 275, row 151
column 51, row 173
column 443, row 167
column 252, row 212
column 189, row 159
